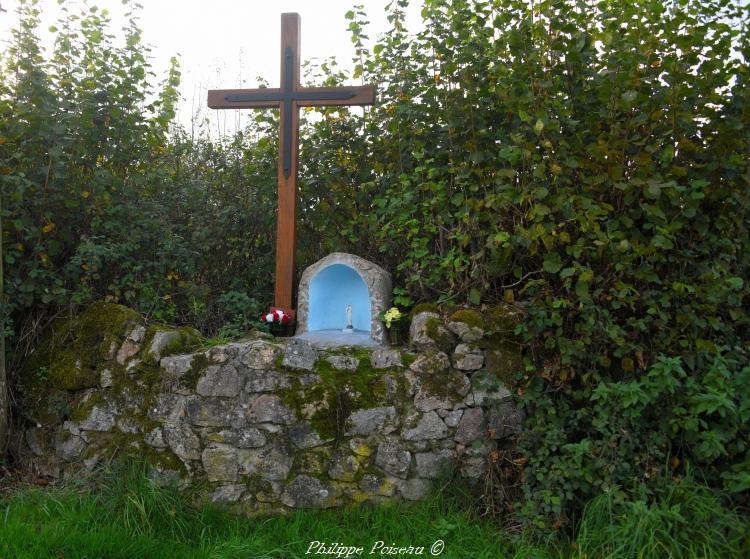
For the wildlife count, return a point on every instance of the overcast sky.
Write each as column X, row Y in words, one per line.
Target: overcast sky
column 229, row 43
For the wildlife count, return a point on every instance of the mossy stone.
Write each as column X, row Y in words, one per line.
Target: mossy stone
column 468, row 316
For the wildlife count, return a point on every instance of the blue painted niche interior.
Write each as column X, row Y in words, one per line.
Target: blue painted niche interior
column 331, row 290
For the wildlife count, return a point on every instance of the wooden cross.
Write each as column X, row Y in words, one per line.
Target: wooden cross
column 288, row 98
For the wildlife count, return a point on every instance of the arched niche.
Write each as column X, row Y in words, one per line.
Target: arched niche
column 332, row 290
column 327, row 287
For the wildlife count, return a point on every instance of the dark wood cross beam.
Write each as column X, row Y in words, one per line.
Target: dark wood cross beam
column 288, row 98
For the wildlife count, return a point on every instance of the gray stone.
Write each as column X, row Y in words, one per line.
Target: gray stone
column 386, row 358
column 270, row 463
column 71, row 427
column 127, row 425
column 175, row 366
column 155, row 438
column 468, row 358
column 393, row 458
column 227, row 494
column 431, row 363
column 377, row 280
column 167, row 407
column 343, row 467
column 137, row 333
column 268, row 408
column 368, row 421
column 420, row 339
column 219, row 380
column 100, row 418
column 260, row 355
column 299, row 354
column 69, row 447
column 471, row 427
column 430, row 426
column 248, row 437
column 105, row 378
column 487, row 389
column 127, row 350
column 466, row 333
column 505, row 419
column 473, row 468
column 425, row 401
column 414, row 489
column 343, row 362
column 453, row 417
column 303, row 436
column 214, row 412
column 433, row 464
column 161, row 341
column 380, row 486
column 220, row 464
column 225, row 353
column 183, row 442
column 266, row 381
column 163, row 477
column 307, row 492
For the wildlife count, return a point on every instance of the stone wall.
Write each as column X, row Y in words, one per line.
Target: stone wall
column 265, row 424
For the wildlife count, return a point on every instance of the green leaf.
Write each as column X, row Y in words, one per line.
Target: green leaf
column 552, row 263
column 475, row 297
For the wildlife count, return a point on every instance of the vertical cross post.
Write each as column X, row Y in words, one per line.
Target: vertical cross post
column 288, row 99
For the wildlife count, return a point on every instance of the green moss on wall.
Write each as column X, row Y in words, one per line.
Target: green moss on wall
column 468, row 316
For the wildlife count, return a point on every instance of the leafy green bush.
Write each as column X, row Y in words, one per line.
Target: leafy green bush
column 637, row 435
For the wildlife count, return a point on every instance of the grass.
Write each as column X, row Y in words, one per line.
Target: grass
column 125, row 515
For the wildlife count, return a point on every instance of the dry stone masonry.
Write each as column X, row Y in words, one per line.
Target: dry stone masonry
column 266, row 424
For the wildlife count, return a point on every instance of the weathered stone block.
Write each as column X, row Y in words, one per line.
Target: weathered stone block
column 183, row 442
column 266, row 381
column 299, row 354
column 214, row 412
column 101, row 418
column 487, row 388
column 269, row 463
column 386, row 358
column 260, row 355
column 393, row 458
column 471, row 427
column 307, row 492
column 174, row 367
column 219, row 380
column 162, row 340
column 468, row 358
column 380, row 486
column 268, row 408
column 304, row 436
column 429, row 426
column 431, row 363
column 220, row 464
column 227, row 494
column 248, row 437
column 343, row 467
column 433, row 464
column 167, row 407
column 426, row 332
column 343, row 362
column 367, row 421
column 414, row 489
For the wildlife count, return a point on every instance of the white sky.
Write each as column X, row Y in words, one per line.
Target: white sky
column 228, row 43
